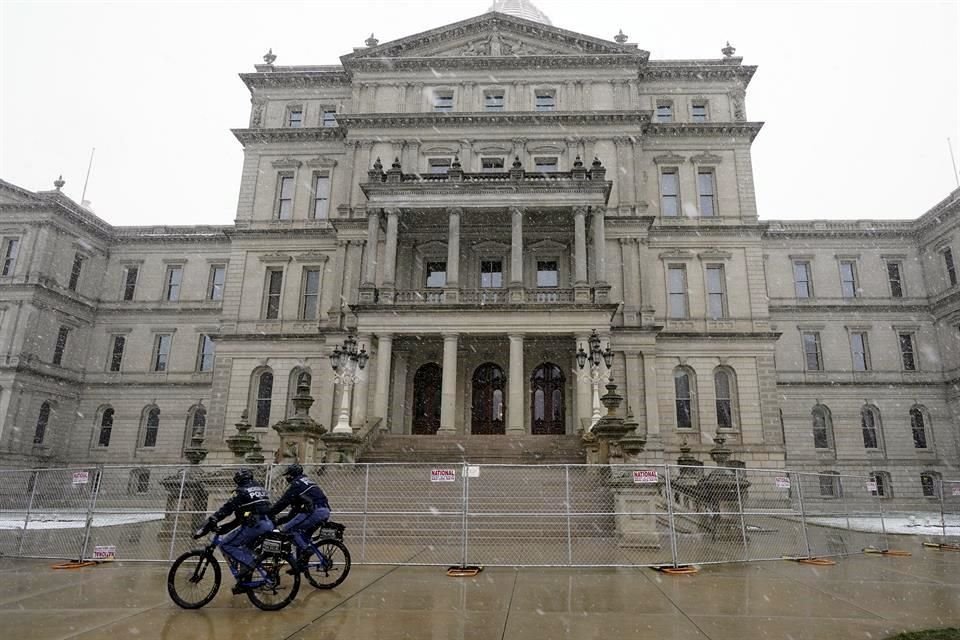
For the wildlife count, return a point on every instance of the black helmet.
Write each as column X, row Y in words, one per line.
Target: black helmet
column 242, row 477
column 293, row 471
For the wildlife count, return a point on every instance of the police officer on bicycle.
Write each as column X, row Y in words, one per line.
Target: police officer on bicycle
column 250, row 506
column 308, row 506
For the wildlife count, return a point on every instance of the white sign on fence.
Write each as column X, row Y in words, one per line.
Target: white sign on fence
column 104, row 552
column 473, row 471
column 443, row 475
column 81, row 477
column 955, row 491
column 871, row 485
column 645, row 476
column 782, row 483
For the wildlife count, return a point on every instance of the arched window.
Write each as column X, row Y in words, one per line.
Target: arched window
column 489, row 407
column 684, row 390
column 884, row 486
column 196, row 424
column 298, row 377
column 43, row 419
column 822, row 427
column 930, row 484
column 918, row 426
column 106, row 427
column 151, row 426
column 426, row 399
column 870, row 426
column 547, row 408
column 264, row 398
column 725, row 391
column 139, row 481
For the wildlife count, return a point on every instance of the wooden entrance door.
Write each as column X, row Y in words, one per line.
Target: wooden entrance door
column 426, row 399
column 547, row 408
column 489, row 405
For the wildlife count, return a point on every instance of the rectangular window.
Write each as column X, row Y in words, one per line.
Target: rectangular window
column 829, row 485
column 544, row 101
column 60, row 346
column 907, row 354
column 811, row 351
column 11, row 246
column 548, row 275
column 116, row 353
column 161, row 351
column 440, row 165
column 698, row 112
column 274, row 289
column 311, row 294
column 171, row 290
column 669, row 192
column 205, row 354
column 802, row 282
column 677, row 291
column 218, row 274
column 860, row 350
column 716, row 292
column 895, row 278
column 321, row 197
column 491, row 165
column 491, row 274
column 848, row 279
column 928, row 485
column 545, row 164
column 443, row 101
column 75, row 272
column 295, row 117
column 706, row 191
column 951, row 267
column 493, row 101
column 329, row 118
column 130, row 275
column 285, row 197
column 664, row 111
column 436, row 274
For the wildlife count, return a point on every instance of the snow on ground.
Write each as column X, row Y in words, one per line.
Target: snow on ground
column 921, row 524
column 73, row 520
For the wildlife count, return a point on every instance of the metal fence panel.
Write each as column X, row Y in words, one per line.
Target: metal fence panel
column 949, row 493
column 59, row 511
column 772, row 514
column 16, row 501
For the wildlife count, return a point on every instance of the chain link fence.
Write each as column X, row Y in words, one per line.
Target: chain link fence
column 461, row 514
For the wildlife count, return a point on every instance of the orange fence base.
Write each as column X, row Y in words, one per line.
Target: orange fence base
column 75, row 564
column 682, row 570
column 820, row 562
column 463, row 572
column 886, row 552
column 943, row 546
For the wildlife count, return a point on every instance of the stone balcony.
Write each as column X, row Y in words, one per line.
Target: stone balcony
column 491, row 297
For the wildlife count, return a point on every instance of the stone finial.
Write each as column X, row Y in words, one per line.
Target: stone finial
column 621, row 37
column 59, row 182
column 371, row 41
column 720, row 454
column 728, row 51
column 255, row 455
column 378, row 166
column 596, row 163
column 456, row 163
column 396, row 164
column 577, row 162
column 516, row 163
column 268, row 57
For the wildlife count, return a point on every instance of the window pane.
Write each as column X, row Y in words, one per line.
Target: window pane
column 75, row 272
column 698, row 112
column 545, row 102
column 869, row 427
column 491, row 274
column 677, row 283
column 217, row 275
column 130, row 282
column 329, row 118
column 311, row 293
column 681, row 387
column 705, row 188
column 669, row 193
column 547, row 274
column 294, row 118
column 664, row 112
column 285, row 198
column 436, row 274
column 274, row 289
column 43, row 419
column 801, row 278
column 161, row 353
column 491, row 164
column 321, row 197
column 918, row 427
column 811, row 350
column 60, row 345
column 174, row 278
column 906, row 352
column 116, row 358
column 951, row 267
column 443, row 102
column 264, row 397
column 848, row 281
column 858, row 344
column 106, row 428
column 10, row 256
column 440, row 165
column 715, row 292
column 545, row 165
column 493, row 102
column 206, row 358
column 896, row 285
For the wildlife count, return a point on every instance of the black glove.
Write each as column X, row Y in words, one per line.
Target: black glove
column 208, row 526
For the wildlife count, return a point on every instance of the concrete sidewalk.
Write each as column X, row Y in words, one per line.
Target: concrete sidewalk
column 861, row 597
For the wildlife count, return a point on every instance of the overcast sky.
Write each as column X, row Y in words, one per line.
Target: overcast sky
column 859, row 98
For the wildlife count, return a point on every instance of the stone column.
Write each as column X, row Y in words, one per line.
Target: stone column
column 448, row 389
column 650, row 394
column 515, row 404
column 382, row 394
column 633, row 371
column 584, row 388
column 368, row 283
column 390, row 256
column 601, row 290
column 516, row 255
column 361, row 391
column 581, row 284
column 453, row 255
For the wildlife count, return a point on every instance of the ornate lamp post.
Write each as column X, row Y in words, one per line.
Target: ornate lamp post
column 595, row 356
column 347, row 361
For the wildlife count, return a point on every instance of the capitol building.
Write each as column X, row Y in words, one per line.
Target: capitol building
column 471, row 203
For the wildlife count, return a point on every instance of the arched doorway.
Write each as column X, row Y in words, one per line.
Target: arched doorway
column 547, row 408
column 489, row 400
column 426, row 399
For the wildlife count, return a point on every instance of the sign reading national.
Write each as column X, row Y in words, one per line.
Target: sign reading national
column 443, row 475
column 645, row 476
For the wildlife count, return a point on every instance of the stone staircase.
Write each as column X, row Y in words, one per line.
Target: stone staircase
column 483, row 449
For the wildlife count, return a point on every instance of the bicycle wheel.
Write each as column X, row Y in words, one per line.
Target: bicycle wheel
column 331, row 568
column 193, row 579
column 278, row 588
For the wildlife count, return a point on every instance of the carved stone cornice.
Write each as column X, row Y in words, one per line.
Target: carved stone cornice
column 485, row 119
column 311, row 134
column 715, row 254
column 297, row 77
column 706, row 158
column 321, row 162
column 676, row 254
column 311, row 256
column 275, row 258
column 747, row 130
column 701, row 70
column 669, row 158
column 286, row 163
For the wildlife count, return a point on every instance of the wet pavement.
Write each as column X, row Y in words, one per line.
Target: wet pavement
column 861, row 597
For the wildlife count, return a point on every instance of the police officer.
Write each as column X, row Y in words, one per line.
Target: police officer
column 308, row 505
column 250, row 505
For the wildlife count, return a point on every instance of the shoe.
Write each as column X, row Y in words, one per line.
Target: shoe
column 239, row 589
column 299, row 567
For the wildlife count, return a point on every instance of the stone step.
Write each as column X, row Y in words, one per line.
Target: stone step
column 477, row 449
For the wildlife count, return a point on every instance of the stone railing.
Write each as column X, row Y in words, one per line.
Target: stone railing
column 485, row 296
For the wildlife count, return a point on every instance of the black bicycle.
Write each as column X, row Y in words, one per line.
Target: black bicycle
column 194, row 578
column 326, row 562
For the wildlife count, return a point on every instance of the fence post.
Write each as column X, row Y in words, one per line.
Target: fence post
column 91, row 505
column 566, row 469
column 943, row 512
column 803, row 513
column 464, row 506
column 176, row 516
column 363, row 527
column 743, row 522
column 883, row 525
column 670, row 520
column 33, row 492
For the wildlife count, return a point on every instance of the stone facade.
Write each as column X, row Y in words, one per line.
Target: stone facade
column 472, row 202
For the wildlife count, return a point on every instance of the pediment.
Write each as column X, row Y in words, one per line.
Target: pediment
column 12, row 194
column 492, row 35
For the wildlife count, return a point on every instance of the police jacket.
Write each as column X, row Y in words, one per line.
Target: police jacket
column 249, row 503
column 302, row 496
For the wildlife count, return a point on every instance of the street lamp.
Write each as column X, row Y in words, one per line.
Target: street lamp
column 347, row 361
column 595, row 356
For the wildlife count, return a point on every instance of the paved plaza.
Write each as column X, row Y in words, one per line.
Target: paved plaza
column 861, row 597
